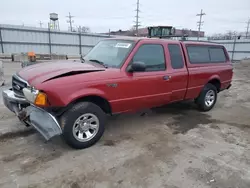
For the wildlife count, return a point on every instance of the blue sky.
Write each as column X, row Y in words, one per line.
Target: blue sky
column 102, row 15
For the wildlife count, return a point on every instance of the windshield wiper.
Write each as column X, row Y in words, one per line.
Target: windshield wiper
column 99, row 62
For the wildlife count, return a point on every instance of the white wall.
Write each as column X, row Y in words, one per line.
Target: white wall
column 238, row 49
column 24, row 39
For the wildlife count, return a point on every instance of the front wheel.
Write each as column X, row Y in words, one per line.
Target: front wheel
column 83, row 125
column 207, row 98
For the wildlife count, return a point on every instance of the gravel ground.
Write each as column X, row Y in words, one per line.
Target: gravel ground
column 173, row 147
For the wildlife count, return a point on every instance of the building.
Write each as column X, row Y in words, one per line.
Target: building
column 143, row 32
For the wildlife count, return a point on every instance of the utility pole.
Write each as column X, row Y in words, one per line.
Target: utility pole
column 70, row 21
column 1, row 41
column 137, row 23
column 200, row 22
column 234, row 43
column 248, row 25
column 41, row 24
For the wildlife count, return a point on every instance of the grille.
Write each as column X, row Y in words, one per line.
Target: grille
column 18, row 85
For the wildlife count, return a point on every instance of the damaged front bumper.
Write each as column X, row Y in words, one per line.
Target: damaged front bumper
column 42, row 120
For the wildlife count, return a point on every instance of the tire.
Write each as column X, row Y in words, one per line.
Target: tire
column 203, row 101
column 75, row 134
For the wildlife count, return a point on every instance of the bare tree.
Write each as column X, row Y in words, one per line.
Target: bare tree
column 132, row 31
column 83, row 29
column 229, row 35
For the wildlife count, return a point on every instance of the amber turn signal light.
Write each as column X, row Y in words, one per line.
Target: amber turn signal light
column 41, row 99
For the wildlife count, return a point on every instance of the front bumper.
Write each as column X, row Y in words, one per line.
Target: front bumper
column 42, row 120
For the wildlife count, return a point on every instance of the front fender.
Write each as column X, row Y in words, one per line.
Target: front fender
column 84, row 93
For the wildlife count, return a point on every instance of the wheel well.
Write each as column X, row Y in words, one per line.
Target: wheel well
column 216, row 83
column 99, row 101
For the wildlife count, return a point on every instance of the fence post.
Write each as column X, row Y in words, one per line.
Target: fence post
column 233, row 48
column 50, row 51
column 80, row 43
column 1, row 40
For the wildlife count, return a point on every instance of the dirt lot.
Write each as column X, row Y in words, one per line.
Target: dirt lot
column 171, row 147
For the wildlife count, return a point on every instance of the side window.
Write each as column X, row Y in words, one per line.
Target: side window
column 217, row 54
column 175, row 56
column 152, row 55
column 198, row 54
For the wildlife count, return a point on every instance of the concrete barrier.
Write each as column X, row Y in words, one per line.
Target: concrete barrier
column 19, row 57
column 42, row 56
column 24, row 57
column 247, row 60
column 58, row 57
column 73, row 57
column 5, row 56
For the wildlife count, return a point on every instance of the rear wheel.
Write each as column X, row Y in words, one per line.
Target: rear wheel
column 207, row 98
column 83, row 125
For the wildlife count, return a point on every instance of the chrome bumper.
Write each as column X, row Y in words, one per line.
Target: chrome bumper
column 11, row 101
column 43, row 121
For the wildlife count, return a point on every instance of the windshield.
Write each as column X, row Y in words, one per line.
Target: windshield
column 110, row 53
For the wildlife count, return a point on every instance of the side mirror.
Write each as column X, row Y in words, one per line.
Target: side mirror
column 137, row 66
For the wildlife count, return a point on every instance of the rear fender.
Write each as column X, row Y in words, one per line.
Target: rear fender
column 214, row 77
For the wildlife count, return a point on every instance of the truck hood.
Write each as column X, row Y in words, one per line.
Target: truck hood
column 42, row 72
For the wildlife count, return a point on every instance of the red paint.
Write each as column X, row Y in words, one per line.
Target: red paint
column 134, row 90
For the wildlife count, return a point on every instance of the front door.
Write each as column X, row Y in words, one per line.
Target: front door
column 149, row 88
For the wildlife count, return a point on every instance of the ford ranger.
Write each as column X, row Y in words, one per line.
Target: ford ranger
column 73, row 99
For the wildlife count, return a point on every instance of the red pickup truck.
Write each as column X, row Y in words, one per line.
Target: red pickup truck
column 72, row 99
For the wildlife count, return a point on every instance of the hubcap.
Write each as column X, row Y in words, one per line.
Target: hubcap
column 86, row 127
column 210, row 98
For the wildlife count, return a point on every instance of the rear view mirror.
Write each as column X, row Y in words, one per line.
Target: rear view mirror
column 137, row 66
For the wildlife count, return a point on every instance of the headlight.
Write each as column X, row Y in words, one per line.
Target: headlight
column 35, row 96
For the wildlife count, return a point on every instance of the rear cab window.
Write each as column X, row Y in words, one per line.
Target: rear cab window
column 176, row 56
column 205, row 54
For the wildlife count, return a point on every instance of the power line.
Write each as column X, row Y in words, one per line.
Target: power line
column 248, row 25
column 137, row 23
column 70, row 21
column 200, row 22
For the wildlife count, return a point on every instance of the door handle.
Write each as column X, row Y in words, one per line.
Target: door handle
column 166, row 78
